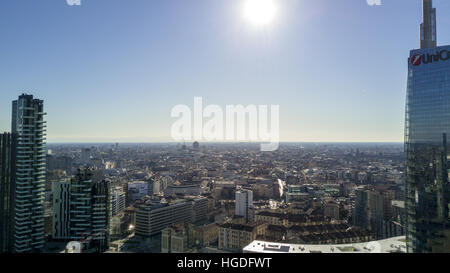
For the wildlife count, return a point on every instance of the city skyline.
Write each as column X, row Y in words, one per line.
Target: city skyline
column 133, row 84
column 225, row 127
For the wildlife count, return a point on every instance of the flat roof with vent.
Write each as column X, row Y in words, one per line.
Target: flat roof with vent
column 390, row 245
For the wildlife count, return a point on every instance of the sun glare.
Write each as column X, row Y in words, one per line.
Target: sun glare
column 260, row 12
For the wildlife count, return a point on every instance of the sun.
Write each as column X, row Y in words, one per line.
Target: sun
column 260, row 12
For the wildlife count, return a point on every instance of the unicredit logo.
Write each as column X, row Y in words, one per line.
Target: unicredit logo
column 418, row 59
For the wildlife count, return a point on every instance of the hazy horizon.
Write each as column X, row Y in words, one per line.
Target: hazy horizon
column 112, row 70
column 231, row 142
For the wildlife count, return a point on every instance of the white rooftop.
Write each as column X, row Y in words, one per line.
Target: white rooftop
column 390, row 245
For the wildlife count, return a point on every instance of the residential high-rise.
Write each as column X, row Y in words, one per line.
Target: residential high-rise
column 7, row 187
column 244, row 204
column 61, row 213
column 90, row 210
column 85, row 156
column 29, row 125
column 118, row 200
column 82, row 211
column 427, row 125
column 63, row 163
column 373, row 210
column 368, row 213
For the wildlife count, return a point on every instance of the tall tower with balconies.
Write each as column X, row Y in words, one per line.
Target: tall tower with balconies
column 29, row 193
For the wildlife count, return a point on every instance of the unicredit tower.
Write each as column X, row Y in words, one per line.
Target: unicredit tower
column 427, row 126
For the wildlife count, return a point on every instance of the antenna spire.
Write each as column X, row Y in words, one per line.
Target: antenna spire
column 428, row 27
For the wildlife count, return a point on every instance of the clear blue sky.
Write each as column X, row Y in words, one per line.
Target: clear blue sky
column 111, row 70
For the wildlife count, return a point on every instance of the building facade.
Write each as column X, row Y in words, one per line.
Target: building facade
column 61, row 206
column 7, row 187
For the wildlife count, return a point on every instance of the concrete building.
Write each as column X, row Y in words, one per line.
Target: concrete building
column 178, row 238
column 224, row 190
column 331, row 209
column 153, row 216
column 63, row 163
column 86, row 156
column 244, row 204
column 199, row 208
column 295, row 193
column 368, row 211
column 373, row 210
column 185, row 189
column 206, row 235
column 118, row 200
column 137, row 190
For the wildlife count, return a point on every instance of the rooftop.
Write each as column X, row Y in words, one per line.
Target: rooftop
column 391, row 245
column 246, row 227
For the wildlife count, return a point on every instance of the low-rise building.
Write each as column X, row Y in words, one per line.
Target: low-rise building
column 331, row 209
column 155, row 214
column 177, row 238
column 234, row 237
column 206, row 235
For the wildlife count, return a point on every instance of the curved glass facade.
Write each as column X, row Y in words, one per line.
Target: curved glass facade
column 427, row 126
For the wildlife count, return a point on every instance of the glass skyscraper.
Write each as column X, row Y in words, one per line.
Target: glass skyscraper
column 427, row 127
